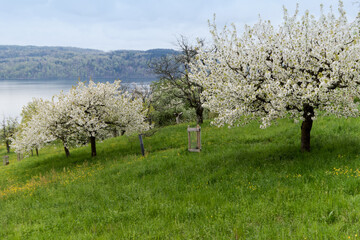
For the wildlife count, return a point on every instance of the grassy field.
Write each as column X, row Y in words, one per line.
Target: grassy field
column 247, row 183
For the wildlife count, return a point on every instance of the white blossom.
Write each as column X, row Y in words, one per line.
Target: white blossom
column 86, row 110
column 269, row 72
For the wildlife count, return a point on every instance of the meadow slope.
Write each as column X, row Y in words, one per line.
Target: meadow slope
column 247, row 183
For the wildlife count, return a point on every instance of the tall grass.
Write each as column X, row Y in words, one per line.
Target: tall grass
column 247, row 183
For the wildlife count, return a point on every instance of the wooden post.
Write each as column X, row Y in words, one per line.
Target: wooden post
column 189, row 138
column 6, row 160
column 198, row 141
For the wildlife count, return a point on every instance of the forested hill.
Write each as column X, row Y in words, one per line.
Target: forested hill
column 30, row 62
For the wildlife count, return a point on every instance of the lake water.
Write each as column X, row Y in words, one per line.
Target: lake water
column 14, row 94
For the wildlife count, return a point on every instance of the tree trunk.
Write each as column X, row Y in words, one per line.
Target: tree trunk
column 306, row 127
column 67, row 152
column 199, row 114
column 122, row 132
column 93, row 146
column 115, row 133
column 32, row 152
column 178, row 115
column 7, row 146
column 37, row 151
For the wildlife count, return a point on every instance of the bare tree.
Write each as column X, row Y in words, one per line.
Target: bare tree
column 174, row 72
column 164, row 102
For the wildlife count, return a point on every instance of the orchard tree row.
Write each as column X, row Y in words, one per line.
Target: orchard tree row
column 84, row 114
column 305, row 66
column 299, row 69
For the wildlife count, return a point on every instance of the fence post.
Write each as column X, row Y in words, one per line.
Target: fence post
column 198, row 137
column 142, row 145
column 189, row 138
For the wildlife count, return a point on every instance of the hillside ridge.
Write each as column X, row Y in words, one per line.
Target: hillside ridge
column 34, row 62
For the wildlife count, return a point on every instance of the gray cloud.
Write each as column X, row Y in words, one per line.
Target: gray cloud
column 128, row 24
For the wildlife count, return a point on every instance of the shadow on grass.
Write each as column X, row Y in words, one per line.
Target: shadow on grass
column 55, row 160
column 265, row 154
column 277, row 148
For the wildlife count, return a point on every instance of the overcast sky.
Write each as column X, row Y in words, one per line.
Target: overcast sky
column 134, row 24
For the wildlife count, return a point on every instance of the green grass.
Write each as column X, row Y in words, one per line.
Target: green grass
column 247, row 183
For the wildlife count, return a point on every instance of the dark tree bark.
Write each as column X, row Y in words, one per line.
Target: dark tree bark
column 93, row 146
column 37, row 151
column 67, row 152
column 8, row 146
column 199, row 114
column 122, row 132
column 306, row 127
column 115, row 132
